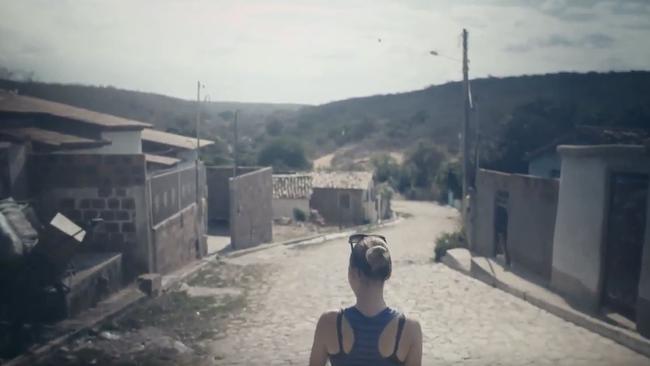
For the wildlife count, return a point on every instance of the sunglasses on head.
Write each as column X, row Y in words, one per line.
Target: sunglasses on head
column 355, row 238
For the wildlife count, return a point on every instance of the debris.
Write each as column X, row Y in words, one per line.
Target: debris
column 109, row 336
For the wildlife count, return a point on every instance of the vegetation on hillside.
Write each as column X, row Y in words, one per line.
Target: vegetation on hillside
column 515, row 115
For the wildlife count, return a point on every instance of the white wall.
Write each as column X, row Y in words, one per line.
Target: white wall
column 122, row 142
column 579, row 220
column 284, row 207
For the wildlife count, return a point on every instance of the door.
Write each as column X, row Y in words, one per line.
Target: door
column 501, row 226
column 625, row 237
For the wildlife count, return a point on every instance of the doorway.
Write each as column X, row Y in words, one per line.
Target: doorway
column 624, row 242
column 501, row 226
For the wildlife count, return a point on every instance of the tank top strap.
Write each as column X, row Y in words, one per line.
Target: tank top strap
column 339, row 329
column 400, row 328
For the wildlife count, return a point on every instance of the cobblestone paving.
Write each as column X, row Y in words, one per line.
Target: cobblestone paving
column 464, row 321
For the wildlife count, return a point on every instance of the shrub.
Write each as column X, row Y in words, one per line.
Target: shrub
column 284, row 154
column 299, row 215
column 448, row 241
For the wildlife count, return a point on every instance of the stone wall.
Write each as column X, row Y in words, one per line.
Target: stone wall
column 84, row 187
column 531, row 207
column 251, row 212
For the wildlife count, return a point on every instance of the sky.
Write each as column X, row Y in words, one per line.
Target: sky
column 314, row 51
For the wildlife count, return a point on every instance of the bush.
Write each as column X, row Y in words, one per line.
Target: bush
column 449, row 178
column 299, row 215
column 448, row 241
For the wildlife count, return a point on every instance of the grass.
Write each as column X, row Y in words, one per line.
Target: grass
column 448, row 241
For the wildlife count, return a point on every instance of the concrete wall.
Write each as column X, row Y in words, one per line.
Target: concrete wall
column 84, row 187
column 179, row 226
column 251, row 212
column 218, row 192
column 532, row 205
column 544, row 165
column 326, row 202
column 13, row 163
column 581, row 225
column 174, row 240
column 283, row 207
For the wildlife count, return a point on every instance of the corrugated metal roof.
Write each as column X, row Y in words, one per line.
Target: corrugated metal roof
column 342, row 180
column 159, row 159
column 292, row 186
column 51, row 138
column 172, row 139
column 14, row 103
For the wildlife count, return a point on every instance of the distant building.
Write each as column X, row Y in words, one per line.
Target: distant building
column 345, row 198
column 291, row 192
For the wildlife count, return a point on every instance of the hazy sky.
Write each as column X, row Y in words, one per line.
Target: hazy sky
column 313, row 51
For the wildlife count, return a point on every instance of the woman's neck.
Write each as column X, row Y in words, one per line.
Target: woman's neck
column 370, row 300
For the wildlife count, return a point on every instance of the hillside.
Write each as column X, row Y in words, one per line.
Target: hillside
column 435, row 113
column 359, row 127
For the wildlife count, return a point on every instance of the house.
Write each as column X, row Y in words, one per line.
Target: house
column 585, row 235
column 291, row 192
column 88, row 165
column 604, row 266
column 545, row 161
column 345, row 198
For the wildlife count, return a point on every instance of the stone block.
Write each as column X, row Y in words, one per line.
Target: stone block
column 128, row 227
column 113, row 203
column 121, row 192
column 108, row 215
column 85, row 203
column 90, row 214
column 128, row 203
column 105, row 191
column 98, row 203
column 66, row 203
column 112, row 227
column 122, row 215
column 150, row 283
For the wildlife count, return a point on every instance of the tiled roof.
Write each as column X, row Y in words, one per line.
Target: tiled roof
column 159, row 159
column 51, row 138
column 14, row 103
column 292, row 186
column 172, row 139
column 342, row 180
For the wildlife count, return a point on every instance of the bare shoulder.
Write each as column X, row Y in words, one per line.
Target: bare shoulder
column 327, row 319
column 412, row 329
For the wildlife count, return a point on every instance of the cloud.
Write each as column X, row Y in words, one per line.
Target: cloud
column 589, row 41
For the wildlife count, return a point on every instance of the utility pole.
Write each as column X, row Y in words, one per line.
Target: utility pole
column 199, row 212
column 466, row 115
column 235, row 152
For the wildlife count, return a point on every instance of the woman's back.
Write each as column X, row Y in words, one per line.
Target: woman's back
column 366, row 333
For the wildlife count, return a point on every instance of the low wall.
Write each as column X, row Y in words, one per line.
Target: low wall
column 531, row 207
column 174, row 240
column 251, row 212
column 218, row 192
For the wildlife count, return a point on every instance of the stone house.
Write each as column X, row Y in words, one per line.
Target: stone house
column 345, row 198
column 291, row 192
column 86, row 164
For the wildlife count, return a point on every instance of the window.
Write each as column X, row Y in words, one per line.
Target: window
column 344, row 200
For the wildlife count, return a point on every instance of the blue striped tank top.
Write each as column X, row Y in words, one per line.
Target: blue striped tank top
column 367, row 330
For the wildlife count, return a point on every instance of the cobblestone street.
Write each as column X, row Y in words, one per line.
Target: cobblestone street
column 464, row 321
column 261, row 309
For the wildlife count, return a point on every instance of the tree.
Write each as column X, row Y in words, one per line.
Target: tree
column 284, row 154
column 274, row 127
column 424, row 161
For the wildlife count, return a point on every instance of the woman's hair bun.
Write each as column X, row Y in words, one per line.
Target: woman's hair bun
column 377, row 257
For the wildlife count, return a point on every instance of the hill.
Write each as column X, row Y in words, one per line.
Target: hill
column 541, row 106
